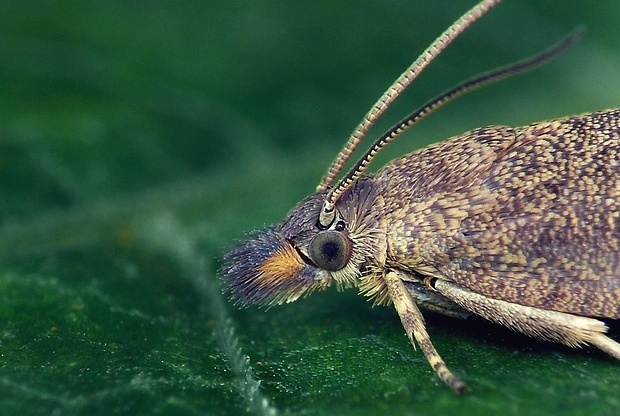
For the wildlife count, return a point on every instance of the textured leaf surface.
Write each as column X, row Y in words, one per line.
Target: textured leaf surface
column 138, row 140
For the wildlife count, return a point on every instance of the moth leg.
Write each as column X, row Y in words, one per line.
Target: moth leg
column 565, row 328
column 431, row 300
column 413, row 322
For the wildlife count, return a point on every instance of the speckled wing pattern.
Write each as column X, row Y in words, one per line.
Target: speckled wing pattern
column 529, row 215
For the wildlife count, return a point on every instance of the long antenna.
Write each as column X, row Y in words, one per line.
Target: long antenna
column 400, row 84
column 327, row 214
column 473, row 83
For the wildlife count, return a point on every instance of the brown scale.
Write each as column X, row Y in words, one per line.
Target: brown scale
column 520, row 226
column 521, row 216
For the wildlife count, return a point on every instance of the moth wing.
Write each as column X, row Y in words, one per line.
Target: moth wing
column 543, row 225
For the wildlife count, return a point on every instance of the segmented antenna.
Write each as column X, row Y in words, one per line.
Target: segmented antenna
column 473, row 83
column 327, row 214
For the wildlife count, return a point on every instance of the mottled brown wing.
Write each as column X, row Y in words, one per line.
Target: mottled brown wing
column 531, row 217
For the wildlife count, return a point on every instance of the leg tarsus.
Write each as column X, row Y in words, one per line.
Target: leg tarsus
column 604, row 343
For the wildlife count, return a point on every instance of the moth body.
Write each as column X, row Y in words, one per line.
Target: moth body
column 525, row 219
column 520, row 226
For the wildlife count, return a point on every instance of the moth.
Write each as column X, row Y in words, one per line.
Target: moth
column 520, row 226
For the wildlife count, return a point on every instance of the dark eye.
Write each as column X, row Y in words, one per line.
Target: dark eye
column 330, row 250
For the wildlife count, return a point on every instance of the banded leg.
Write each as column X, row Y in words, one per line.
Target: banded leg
column 413, row 322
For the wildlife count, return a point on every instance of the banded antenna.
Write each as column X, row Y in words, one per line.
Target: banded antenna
column 492, row 76
column 327, row 214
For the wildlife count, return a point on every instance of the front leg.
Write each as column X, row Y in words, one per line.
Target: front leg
column 413, row 322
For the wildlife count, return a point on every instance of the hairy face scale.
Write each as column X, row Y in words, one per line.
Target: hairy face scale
column 279, row 264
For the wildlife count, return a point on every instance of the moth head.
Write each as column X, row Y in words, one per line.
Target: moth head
column 280, row 263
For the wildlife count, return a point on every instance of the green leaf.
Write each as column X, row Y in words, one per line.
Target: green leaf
column 139, row 140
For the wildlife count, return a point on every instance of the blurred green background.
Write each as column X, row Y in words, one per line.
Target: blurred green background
column 138, row 140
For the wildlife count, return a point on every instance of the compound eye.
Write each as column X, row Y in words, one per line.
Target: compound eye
column 330, row 250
